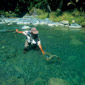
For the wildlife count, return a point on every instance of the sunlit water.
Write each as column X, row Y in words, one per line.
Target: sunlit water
column 17, row 68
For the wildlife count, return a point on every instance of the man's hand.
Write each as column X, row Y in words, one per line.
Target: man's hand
column 16, row 30
column 19, row 31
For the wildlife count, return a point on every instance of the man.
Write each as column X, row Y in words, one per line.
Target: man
column 32, row 39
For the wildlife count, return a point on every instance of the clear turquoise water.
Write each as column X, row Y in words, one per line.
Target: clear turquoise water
column 31, row 68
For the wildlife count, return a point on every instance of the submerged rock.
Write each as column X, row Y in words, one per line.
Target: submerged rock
column 58, row 81
column 13, row 81
column 39, row 81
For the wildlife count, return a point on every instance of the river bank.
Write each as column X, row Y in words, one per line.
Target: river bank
column 74, row 19
column 32, row 20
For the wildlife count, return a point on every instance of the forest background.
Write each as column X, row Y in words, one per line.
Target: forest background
column 56, row 10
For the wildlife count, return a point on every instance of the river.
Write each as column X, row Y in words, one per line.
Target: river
column 17, row 68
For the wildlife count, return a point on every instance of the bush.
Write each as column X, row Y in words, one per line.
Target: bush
column 58, row 12
column 83, row 24
column 7, row 14
column 10, row 14
column 2, row 12
column 53, row 16
column 65, row 16
column 76, row 13
column 79, row 19
column 42, row 14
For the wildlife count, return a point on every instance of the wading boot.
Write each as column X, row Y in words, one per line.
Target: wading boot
column 25, row 50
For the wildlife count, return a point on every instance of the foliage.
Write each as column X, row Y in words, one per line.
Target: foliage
column 43, row 16
column 76, row 13
column 65, row 16
column 83, row 24
column 17, row 10
column 53, row 16
column 8, row 13
column 25, row 5
column 41, row 13
column 79, row 19
column 59, row 9
column 1, row 12
column 35, row 10
column 68, row 16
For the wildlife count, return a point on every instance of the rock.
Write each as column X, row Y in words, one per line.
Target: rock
column 3, row 47
column 75, row 25
column 58, row 81
column 25, row 27
column 13, row 81
column 73, row 21
column 65, row 22
column 39, row 81
column 75, row 41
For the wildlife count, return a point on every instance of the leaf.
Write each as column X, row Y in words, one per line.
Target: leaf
column 77, row 0
column 69, row 3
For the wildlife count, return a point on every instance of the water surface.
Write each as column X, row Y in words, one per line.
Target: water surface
column 17, row 68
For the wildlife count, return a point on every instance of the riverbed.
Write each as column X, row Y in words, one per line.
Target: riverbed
column 32, row 68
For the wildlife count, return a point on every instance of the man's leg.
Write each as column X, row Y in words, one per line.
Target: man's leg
column 26, row 46
column 35, row 46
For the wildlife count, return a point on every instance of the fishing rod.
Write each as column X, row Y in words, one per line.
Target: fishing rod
column 7, row 30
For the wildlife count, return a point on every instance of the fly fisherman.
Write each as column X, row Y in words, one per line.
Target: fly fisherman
column 32, row 39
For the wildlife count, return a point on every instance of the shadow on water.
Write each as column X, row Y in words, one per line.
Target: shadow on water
column 32, row 68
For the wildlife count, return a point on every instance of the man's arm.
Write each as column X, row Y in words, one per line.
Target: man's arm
column 19, row 31
column 40, row 46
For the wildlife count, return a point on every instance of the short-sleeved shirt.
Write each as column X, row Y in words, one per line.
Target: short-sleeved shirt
column 30, row 38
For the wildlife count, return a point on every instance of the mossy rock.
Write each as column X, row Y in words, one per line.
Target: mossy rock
column 39, row 81
column 13, row 81
column 58, row 81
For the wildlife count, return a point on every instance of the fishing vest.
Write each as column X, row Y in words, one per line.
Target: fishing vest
column 32, row 39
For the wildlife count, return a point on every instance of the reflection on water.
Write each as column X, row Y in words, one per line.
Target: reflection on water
column 31, row 68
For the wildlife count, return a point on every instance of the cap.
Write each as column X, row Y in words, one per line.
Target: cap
column 34, row 30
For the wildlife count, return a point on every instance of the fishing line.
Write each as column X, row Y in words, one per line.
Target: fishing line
column 49, row 56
